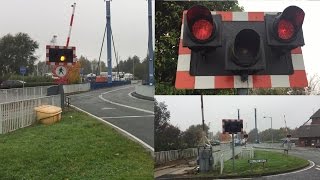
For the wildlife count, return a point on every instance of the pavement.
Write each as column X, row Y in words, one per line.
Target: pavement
column 117, row 106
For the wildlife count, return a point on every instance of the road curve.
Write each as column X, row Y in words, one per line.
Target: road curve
column 116, row 106
column 311, row 173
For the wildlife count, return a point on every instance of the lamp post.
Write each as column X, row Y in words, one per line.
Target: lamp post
column 271, row 127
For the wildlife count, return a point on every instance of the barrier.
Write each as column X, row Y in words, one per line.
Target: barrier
column 17, row 94
column 72, row 88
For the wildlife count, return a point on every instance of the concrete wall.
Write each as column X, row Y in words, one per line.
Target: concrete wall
column 72, row 88
column 144, row 90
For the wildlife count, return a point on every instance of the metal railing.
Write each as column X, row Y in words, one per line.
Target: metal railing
column 17, row 94
column 19, row 114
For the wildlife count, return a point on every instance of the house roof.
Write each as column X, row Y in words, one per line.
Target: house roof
column 316, row 115
column 312, row 130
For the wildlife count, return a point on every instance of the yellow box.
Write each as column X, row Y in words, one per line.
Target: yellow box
column 48, row 114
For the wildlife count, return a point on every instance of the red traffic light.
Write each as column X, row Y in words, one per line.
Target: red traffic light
column 288, row 23
column 200, row 23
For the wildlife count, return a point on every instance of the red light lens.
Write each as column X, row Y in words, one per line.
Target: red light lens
column 202, row 29
column 285, row 29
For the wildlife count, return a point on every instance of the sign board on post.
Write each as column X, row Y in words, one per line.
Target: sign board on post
column 61, row 72
column 23, row 70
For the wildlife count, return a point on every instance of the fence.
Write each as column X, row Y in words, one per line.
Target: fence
column 227, row 154
column 17, row 94
column 224, row 148
column 72, row 88
column 19, row 114
column 167, row 156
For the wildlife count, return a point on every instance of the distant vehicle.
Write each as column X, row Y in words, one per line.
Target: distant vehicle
column 12, row 84
column 317, row 145
column 51, row 76
column 215, row 142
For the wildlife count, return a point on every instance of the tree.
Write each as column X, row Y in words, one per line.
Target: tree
column 167, row 37
column 74, row 73
column 193, row 136
column 85, row 64
column 167, row 137
column 43, row 68
column 16, row 51
column 95, row 66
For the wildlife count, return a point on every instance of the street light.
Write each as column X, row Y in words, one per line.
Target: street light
column 271, row 127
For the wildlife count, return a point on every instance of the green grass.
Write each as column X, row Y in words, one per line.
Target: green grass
column 78, row 147
column 277, row 163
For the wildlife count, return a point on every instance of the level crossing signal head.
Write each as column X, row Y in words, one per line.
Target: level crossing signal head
column 226, row 47
column 60, row 54
column 232, row 126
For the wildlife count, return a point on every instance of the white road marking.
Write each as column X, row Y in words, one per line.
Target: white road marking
column 307, row 168
column 120, row 117
column 123, row 105
column 318, row 166
column 119, row 129
column 318, row 169
column 106, row 108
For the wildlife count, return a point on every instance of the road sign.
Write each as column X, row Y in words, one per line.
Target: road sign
column 189, row 73
column 60, row 71
column 60, row 55
column 23, row 70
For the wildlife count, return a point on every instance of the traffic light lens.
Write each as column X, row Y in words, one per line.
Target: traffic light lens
column 285, row 29
column 246, row 48
column 202, row 29
column 62, row 58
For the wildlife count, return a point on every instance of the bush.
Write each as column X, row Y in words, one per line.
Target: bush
column 31, row 78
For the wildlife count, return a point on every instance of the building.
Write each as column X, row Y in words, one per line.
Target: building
column 309, row 135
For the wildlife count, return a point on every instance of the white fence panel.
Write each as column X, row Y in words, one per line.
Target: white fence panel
column 19, row 114
column 17, row 94
column 167, row 156
column 72, row 88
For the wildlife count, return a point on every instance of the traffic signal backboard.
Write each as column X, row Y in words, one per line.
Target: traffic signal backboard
column 241, row 49
column 232, row 126
column 60, row 55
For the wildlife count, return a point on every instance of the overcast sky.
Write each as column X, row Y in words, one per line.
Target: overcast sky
column 310, row 32
column 42, row 19
column 186, row 110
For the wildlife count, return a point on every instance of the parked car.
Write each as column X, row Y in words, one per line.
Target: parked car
column 12, row 84
column 215, row 142
column 317, row 145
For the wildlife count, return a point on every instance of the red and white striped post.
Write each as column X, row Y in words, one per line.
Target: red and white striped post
column 71, row 22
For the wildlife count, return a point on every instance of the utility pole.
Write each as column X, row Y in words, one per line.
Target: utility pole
column 109, row 60
column 150, row 45
column 255, row 119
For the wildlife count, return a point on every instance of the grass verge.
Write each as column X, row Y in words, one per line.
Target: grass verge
column 277, row 163
column 78, row 147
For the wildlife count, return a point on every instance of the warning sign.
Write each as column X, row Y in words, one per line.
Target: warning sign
column 60, row 71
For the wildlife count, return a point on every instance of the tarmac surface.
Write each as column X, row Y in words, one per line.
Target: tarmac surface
column 117, row 106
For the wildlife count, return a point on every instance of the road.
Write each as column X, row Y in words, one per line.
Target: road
column 313, row 173
column 116, row 106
